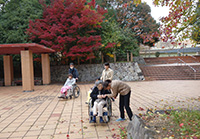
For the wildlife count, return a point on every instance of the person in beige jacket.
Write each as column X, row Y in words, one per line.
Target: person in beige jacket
column 107, row 73
column 119, row 87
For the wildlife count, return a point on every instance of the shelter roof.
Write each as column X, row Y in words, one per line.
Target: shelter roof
column 17, row 47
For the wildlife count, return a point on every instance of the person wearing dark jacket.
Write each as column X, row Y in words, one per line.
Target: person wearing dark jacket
column 98, row 96
column 73, row 71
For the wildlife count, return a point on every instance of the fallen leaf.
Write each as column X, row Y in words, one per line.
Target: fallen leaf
column 157, row 131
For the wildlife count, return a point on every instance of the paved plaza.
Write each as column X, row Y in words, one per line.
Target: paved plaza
column 41, row 115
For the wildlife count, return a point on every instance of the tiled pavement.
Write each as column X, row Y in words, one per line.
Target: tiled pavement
column 40, row 114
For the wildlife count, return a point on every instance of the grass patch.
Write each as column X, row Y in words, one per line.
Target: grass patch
column 171, row 124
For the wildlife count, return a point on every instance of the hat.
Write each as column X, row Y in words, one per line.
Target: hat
column 98, row 82
column 71, row 64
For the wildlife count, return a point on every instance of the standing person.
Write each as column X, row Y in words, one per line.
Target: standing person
column 119, row 87
column 107, row 73
column 73, row 71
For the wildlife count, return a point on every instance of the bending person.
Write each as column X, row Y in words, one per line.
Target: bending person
column 119, row 87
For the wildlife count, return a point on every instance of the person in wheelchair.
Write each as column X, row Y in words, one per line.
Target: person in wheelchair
column 98, row 96
column 68, row 86
column 90, row 91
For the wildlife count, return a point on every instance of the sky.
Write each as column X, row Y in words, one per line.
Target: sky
column 157, row 12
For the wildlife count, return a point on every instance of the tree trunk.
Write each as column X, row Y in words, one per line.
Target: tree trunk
column 127, row 56
column 102, row 61
column 90, row 60
column 131, row 57
column 78, row 60
column 115, row 59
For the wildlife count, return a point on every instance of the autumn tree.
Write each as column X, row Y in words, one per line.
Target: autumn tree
column 196, row 25
column 69, row 27
column 182, row 19
column 134, row 15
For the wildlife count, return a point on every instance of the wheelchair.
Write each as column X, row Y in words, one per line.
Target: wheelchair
column 107, row 110
column 73, row 92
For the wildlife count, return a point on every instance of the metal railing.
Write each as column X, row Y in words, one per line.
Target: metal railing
column 195, row 71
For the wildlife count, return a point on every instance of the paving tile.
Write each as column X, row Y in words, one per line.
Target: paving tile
column 4, row 135
column 18, row 134
column 33, row 133
column 41, row 113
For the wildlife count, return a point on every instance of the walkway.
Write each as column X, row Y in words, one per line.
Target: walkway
column 41, row 115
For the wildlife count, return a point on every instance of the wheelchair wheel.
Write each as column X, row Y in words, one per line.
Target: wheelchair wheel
column 109, row 107
column 76, row 91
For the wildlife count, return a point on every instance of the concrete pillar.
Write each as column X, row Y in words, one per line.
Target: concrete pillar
column 8, row 70
column 27, row 71
column 46, row 75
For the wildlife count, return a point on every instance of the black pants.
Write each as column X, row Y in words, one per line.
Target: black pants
column 124, row 101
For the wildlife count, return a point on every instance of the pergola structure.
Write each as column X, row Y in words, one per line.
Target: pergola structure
column 26, row 51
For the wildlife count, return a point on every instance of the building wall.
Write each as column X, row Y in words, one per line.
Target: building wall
column 128, row 71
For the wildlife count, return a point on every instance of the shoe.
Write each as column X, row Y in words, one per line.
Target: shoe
column 120, row 119
column 101, row 120
column 86, row 102
column 93, row 120
column 62, row 96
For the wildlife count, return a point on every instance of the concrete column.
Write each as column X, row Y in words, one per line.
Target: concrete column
column 8, row 70
column 46, row 75
column 27, row 71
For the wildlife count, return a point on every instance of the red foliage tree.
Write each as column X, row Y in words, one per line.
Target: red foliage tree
column 69, row 27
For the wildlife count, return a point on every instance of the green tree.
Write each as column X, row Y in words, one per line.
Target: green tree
column 117, row 40
column 14, row 19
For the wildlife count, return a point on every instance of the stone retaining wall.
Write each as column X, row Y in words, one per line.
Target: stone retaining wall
column 128, row 71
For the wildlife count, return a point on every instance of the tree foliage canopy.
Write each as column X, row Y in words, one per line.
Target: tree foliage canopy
column 69, row 27
column 14, row 19
column 182, row 20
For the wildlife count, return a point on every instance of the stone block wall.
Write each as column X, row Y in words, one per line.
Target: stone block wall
column 127, row 71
